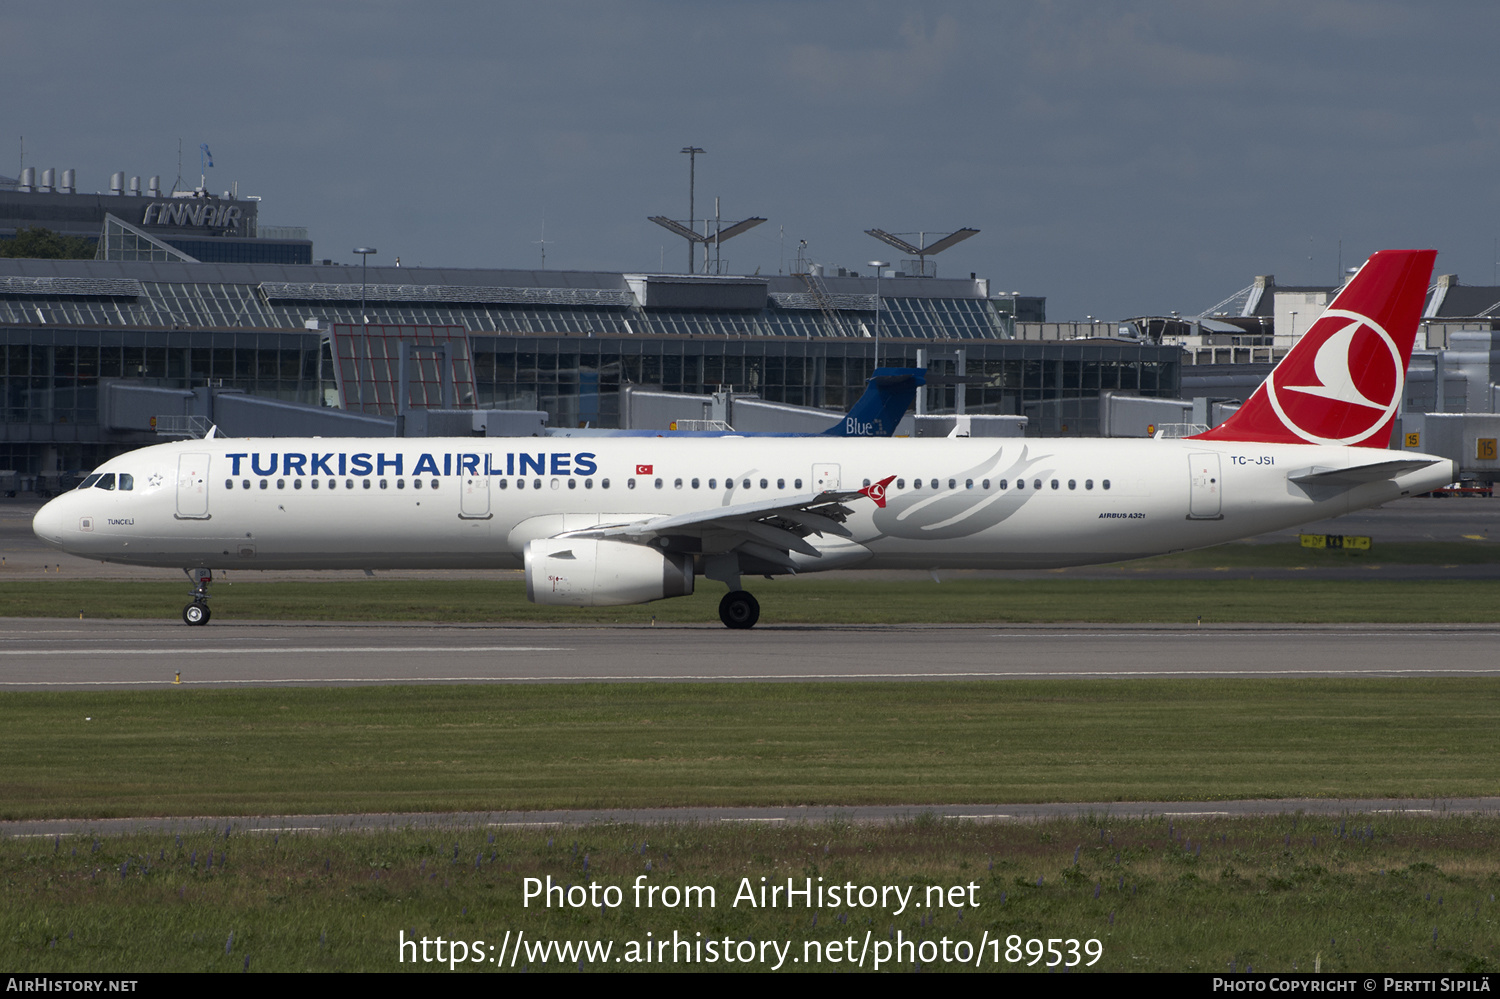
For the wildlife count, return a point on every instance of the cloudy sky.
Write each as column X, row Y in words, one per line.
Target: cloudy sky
column 1120, row 158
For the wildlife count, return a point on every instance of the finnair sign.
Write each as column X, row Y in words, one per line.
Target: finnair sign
column 208, row 214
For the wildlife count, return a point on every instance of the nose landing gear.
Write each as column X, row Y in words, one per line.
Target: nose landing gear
column 197, row 612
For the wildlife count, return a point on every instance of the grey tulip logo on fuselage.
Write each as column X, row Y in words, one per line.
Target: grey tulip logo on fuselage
column 961, row 511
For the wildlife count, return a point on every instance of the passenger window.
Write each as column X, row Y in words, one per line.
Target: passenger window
column 281, row 483
column 604, row 484
column 315, row 483
column 384, row 483
column 520, row 483
column 1105, row 483
column 713, row 483
column 695, row 483
column 968, row 483
column 106, row 481
column 349, row 483
column 435, row 483
column 296, row 483
column 746, row 483
column 244, row 483
column 504, row 483
column 1088, row 483
column 536, row 483
column 400, row 483
column 658, row 483
column 781, row 483
column 952, row 483
column 89, row 481
column 916, row 483
column 934, row 483
column 630, row 483
column 367, row 483
column 416, row 483
column 1036, row 483
column 228, row 483
column 867, row 483
column 572, row 483
column 797, row 484
column 264, row 483
column 677, row 483
column 556, row 483
column 1072, row 483
column 127, row 481
column 1020, row 483
column 763, row 483
column 900, row 483
column 588, row 483
column 985, row 484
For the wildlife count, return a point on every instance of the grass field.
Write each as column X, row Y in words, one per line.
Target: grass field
column 481, row 748
column 1382, row 893
column 801, row 601
column 1379, row 893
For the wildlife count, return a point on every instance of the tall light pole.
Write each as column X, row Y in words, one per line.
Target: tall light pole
column 692, row 155
column 878, row 265
column 364, row 269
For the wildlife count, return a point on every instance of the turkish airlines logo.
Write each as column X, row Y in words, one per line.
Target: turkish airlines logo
column 643, row 470
column 877, row 491
column 1341, row 383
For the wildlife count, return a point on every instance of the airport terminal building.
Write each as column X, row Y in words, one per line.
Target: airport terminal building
column 560, row 341
column 190, row 292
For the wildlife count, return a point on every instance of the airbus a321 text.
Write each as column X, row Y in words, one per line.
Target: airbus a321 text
column 595, row 522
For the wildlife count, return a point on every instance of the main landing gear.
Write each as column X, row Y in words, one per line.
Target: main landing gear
column 197, row 612
column 739, row 610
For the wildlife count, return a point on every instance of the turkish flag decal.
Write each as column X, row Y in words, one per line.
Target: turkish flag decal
column 643, row 469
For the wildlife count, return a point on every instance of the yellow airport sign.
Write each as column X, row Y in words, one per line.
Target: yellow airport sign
column 1484, row 449
column 1356, row 541
column 1414, row 440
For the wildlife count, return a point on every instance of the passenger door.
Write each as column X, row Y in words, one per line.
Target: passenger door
column 192, row 486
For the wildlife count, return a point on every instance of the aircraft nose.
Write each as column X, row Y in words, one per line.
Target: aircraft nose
column 48, row 523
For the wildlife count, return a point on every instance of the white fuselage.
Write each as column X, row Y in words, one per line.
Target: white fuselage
column 378, row 503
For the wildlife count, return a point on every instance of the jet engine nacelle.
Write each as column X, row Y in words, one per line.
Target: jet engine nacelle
column 588, row 572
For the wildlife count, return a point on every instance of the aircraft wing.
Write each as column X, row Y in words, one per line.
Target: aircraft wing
column 768, row 529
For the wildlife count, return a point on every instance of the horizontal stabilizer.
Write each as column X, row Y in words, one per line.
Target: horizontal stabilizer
column 1360, row 474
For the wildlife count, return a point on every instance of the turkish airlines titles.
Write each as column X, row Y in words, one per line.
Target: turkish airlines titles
column 295, row 463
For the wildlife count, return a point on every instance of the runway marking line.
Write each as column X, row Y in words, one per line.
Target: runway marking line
column 189, row 651
column 745, row 677
column 1181, row 814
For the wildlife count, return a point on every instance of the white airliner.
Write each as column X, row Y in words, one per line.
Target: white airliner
column 629, row 520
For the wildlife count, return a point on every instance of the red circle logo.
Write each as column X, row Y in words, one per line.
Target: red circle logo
column 1346, row 388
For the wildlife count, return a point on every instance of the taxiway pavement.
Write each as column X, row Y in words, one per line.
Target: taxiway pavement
column 37, row 654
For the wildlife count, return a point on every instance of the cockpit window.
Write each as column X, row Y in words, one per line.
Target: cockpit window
column 127, row 481
column 89, row 482
column 106, row 481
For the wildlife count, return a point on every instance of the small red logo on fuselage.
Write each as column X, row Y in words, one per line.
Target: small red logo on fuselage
column 877, row 491
column 643, row 469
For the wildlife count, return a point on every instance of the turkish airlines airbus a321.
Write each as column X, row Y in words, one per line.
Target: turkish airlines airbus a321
column 629, row 520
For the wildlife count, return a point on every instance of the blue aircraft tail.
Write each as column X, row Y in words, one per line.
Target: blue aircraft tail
column 887, row 397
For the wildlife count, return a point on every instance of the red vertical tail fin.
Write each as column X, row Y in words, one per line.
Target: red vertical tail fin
column 1342, row 381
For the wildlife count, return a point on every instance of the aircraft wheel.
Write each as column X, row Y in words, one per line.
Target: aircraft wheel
column 196, row 614
column 739, row 609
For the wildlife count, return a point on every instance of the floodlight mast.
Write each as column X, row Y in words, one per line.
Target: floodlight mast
column 364, row 269
column 692, row 155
